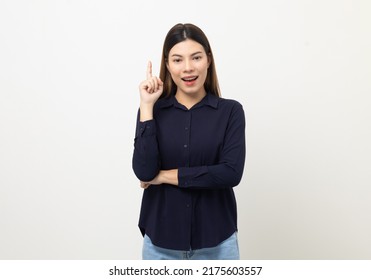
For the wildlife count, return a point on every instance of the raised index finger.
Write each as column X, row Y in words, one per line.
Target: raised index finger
column 149, row 70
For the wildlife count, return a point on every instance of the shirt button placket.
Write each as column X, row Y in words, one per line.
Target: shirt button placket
column 187, row 139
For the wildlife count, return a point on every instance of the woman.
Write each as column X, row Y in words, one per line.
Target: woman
column 189, row 153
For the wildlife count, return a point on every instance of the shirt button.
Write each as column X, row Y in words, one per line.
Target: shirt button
column 185, row 146
column 186, row 128
column 187, row 205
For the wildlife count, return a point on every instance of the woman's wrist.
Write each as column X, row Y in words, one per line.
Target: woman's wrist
column 169, row 177
column 146, row 112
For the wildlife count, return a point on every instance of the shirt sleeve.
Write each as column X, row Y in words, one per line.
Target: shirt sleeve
column 228, row 171
column 146, row 163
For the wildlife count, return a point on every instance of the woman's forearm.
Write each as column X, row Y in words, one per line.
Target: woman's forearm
column 164, row 177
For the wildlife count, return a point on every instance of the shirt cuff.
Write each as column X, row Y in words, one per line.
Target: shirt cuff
column 147, row 128
column 188, row 176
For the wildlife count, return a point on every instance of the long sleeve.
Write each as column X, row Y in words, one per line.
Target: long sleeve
column 146, row 163
column 229, row 169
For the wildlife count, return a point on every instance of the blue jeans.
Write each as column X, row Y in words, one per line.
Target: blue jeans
column 226, row 250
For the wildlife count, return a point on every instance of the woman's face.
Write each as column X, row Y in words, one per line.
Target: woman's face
column 188, row 64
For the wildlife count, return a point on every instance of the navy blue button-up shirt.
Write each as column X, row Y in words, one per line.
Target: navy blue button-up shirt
column 207, row 145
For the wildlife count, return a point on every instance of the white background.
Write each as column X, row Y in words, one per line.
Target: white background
column 69, row 75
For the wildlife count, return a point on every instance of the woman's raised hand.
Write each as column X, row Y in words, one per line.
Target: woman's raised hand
column 151, row 88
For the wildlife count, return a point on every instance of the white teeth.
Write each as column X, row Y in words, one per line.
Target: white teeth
column 189, row 79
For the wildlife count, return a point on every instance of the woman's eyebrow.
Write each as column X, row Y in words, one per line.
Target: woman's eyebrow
column 191, row 54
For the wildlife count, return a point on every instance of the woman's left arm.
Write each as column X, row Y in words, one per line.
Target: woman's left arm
column 229, row 169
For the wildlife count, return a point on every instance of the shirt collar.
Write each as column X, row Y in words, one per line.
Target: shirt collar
column 208, row 100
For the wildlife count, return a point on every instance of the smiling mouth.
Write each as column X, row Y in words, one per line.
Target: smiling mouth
column 190, row 79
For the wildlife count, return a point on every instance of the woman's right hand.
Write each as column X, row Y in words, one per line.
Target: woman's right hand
column 151, row 88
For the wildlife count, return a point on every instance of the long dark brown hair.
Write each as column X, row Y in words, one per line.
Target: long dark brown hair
column 179, row 33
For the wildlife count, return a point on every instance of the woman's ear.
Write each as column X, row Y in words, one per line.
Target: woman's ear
column 208, row 59
column 167, row 64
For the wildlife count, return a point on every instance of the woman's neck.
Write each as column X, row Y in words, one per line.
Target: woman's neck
column 189, row 100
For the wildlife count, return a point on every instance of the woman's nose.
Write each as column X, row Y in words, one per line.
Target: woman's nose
column 188, row 65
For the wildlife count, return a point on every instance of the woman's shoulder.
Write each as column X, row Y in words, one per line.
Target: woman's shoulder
column 229, row 103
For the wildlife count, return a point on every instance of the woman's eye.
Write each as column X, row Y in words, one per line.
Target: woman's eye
column 197, row 58
column 177, row 60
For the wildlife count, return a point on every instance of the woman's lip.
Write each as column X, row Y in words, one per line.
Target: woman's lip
column 190, row 83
